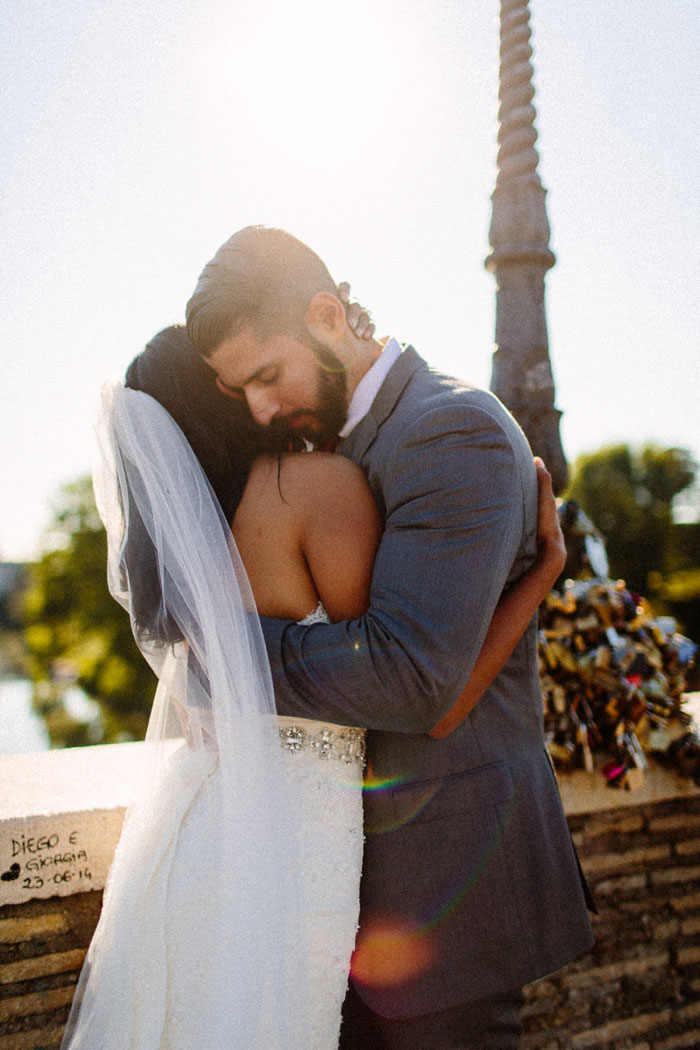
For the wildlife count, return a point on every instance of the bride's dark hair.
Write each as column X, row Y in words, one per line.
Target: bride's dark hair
column 220, row 431
column 223, row 437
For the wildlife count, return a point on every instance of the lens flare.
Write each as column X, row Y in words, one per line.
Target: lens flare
column 390, row 952
column 372, row 783
column 389, row 819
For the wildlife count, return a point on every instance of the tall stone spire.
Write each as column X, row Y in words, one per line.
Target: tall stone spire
column 520, row 255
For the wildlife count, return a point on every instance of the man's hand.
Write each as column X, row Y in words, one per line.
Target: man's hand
column 551, row 547
column 359, row 319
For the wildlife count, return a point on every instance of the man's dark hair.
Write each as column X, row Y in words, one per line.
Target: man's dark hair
column 262, row 278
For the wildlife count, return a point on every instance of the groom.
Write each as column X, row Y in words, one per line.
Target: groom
column 470, row 885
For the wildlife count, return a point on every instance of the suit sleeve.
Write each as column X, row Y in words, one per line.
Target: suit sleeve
column 454, row 523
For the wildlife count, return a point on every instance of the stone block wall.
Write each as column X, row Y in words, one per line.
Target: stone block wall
column 61, row 813
column 639, row 988
column 42, row 947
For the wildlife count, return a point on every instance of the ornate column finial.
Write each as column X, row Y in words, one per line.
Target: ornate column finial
column 520, row 254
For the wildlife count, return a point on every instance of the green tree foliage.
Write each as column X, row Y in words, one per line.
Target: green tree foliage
column 678, row 593
column 76, row 634
column 628, row 494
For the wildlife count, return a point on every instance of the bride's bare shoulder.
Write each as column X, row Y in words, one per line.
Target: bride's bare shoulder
column 321, row 478
column 312, row 487
column 320, row 505
column 339, row 528
column 306, row 482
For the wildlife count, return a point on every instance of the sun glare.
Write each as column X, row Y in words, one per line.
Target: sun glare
column 302, row 73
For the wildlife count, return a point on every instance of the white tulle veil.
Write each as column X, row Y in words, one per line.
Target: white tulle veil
column 214, row 705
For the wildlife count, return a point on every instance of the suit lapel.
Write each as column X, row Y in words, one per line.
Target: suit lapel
column 356, row 444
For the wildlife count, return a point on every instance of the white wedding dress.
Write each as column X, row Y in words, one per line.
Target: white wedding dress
column 231, row 907
column 327, row 794
column 323, row 775
column 322, row 769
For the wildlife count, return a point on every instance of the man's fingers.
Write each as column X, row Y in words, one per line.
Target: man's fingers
column 544, row 478
column 359, row 319
column 365, row 326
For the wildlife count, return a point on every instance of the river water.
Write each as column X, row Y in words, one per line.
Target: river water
column 21, row 729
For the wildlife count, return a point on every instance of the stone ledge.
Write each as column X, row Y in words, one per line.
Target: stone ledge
column 584, row 793
column 61, row 813
column 46, row 783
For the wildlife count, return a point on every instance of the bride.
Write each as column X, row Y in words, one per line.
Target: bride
column 231, row 908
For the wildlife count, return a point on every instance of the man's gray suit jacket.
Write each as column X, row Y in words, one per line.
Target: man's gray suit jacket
column 468, row 855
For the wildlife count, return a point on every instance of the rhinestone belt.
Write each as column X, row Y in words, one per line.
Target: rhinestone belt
column 342, row 743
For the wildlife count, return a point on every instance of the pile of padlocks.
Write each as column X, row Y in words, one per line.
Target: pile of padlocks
column 613, row 678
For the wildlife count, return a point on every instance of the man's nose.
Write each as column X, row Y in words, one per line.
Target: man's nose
column 263, row 407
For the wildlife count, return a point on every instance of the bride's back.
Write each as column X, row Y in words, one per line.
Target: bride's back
column 306, row 525
column 307, row 529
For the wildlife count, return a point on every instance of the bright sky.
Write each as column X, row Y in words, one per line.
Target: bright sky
column 137, row 137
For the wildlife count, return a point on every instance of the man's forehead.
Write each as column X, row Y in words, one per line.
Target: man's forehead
column 236, row 359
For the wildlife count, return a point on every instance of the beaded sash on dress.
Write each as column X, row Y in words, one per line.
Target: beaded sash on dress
column 323, row 739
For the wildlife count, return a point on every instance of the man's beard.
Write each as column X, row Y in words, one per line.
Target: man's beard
column 328, row 417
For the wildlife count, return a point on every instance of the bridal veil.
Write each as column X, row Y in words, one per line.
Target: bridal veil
column 213, row 713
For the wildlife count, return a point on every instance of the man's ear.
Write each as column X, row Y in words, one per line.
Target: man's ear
column 325, row 317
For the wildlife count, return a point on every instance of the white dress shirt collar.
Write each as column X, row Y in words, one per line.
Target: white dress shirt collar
column 368, row 387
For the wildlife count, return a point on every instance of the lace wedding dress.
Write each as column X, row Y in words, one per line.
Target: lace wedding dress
column 230, row 911
column 322, row 767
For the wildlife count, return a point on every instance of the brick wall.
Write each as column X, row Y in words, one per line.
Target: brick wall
column 42, row 947
column 639, row 988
